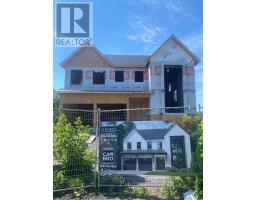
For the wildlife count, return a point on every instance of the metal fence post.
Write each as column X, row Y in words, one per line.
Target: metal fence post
column 97, row 146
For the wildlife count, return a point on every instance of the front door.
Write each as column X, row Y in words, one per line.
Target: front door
column 160, row 163
column 178, row 157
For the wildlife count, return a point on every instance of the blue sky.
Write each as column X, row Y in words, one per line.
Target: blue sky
column 140, row 27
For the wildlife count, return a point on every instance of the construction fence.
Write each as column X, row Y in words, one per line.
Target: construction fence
column 121, row 148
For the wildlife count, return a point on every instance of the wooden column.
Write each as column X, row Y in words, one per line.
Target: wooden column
column 128, row 107
column 94, row 115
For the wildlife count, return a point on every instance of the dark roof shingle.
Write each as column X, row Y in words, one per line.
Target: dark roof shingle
column 127, row 60
column 153, row 134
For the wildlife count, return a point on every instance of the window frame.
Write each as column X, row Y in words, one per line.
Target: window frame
column 139, row 81
column 149, row 143
column 139, row 145
column 71, row 73
column 129, row 143
column 159, row 145
column 94, row 79
column 119, row 81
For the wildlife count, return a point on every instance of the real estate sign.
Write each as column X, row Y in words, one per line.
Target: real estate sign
column 108, row 148
column 116, row 154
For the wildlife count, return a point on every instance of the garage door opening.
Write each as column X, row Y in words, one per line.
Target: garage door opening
column 145, row 164
column 129, row 163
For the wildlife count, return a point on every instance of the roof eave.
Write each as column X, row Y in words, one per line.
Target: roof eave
column 196, row 59
column 77, row 50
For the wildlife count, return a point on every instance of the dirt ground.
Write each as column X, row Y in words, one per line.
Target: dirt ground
column 155, row 193
column 148, row 181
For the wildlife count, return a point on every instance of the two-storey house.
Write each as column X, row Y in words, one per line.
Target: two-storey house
column 165, row 79
column 156, row 149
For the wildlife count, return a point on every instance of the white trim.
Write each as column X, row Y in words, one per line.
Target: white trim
column 196, row 59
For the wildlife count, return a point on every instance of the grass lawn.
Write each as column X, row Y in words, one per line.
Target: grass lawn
column 169, row 173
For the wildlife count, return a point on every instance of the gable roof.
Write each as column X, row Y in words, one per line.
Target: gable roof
column 127, row 60
column 80, row 50
column 196, row 59
column 153, row 134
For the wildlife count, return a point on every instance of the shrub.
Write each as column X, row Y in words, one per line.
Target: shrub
column 70, row 150
column 197, row 164
column 59, row 180
column 198, row 192
column 141, row 192
column 176, row 186
column 114, row 183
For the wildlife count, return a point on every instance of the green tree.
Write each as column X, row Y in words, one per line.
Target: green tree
column 190, row 124
column 71, row 151
column 197, row 155
column 56, row 105
column 197, row 164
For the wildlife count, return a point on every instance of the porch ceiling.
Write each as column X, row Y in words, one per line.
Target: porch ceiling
column 160, row 151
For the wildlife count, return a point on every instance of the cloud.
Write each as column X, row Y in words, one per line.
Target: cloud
column 199, row 67
column 199, row 86
column 199, row 79
column 194, row 42
column 173, row 5
column 199, row 92
column 145, row 32
column 199, row 74
column 199, row 97
column 175, row 11
column 145, row 27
